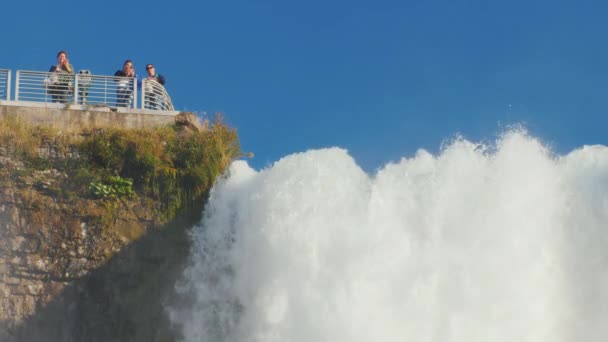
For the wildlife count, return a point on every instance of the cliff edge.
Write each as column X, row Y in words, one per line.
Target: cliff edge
column 92, row 225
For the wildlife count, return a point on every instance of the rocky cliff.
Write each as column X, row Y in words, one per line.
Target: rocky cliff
column 85, row 259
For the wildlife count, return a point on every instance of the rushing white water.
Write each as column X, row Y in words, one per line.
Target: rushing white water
column 479, row 243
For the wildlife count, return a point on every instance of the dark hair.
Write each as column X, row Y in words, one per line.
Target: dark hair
column 149, row 65
column 62, row 52
column 127, row 61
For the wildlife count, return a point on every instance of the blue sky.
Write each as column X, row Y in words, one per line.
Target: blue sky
column 379, row 78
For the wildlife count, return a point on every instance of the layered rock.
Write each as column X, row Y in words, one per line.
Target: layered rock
column 76, row 268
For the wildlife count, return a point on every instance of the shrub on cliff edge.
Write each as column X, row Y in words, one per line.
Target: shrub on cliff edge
column 169, row 166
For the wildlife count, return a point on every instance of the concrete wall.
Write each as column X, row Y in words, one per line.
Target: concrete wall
column 78, row 117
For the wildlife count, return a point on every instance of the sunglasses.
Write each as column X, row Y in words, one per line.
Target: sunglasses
column 150, row 67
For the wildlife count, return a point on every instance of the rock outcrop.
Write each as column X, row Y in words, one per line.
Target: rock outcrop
column 73, row 270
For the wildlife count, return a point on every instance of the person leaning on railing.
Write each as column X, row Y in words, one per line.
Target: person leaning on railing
column 154, row 99
column 60, row 85
column 124, row 90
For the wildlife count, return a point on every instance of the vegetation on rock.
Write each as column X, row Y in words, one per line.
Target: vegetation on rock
column 74, row 201
column 163, row 169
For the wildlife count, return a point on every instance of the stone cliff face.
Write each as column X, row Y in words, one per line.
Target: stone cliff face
column 65, row 275
column 94, row 223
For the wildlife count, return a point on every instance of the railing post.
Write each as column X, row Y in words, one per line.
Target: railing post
column 143, row 93
column 8, row 85
column 17, row 86
column 134, row 92
column 106, row 99
column 76, row 89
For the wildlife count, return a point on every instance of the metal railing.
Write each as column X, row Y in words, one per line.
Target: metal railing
column 154, row 96
column 105, row 90
column 84, row 88
column 5, row 84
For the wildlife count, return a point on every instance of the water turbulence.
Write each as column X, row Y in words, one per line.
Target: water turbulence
column 479, row 243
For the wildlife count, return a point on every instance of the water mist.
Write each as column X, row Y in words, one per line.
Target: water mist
column 479, row 243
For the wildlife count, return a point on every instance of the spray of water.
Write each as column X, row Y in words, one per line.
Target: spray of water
column 479, row 243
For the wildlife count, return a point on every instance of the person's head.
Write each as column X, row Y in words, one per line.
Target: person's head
column 127, row 67
column 150, row 69
column 62, row 56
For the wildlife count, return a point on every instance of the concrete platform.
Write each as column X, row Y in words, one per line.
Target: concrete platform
column 71, row 116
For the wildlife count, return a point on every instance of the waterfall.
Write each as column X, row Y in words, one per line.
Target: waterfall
column 481, row 242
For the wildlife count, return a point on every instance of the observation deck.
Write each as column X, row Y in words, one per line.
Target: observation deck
column 84, row 99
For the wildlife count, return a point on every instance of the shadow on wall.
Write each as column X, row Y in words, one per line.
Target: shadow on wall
column 123, row 300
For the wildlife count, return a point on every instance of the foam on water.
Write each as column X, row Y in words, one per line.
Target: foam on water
column 478, row 243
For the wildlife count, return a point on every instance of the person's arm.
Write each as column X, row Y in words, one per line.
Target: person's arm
column 69, row 68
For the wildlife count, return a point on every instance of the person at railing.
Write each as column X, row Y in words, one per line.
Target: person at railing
column 124, row 91
column 153, row 99
column 60, row 85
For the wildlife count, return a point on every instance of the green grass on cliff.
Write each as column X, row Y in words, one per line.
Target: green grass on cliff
column 165, row 168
